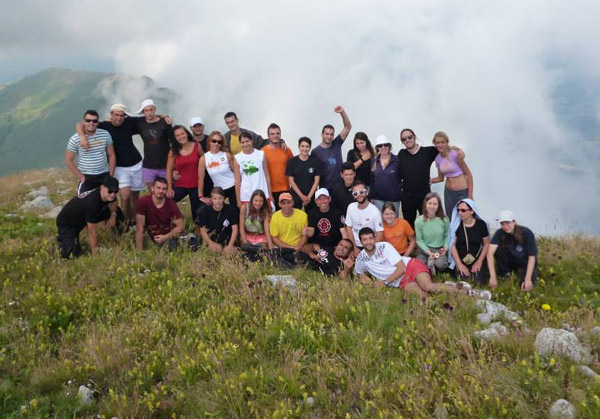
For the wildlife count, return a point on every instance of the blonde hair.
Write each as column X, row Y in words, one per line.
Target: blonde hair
column 440, row 134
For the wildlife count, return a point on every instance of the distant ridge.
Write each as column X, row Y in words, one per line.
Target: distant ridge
column 39, row 111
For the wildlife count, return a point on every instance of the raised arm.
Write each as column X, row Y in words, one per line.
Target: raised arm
column 82, row 137
column 347, row 125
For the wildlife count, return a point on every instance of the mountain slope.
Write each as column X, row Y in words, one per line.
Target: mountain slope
column 38, row 112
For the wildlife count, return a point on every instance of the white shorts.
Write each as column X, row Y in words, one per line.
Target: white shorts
column 130, row 177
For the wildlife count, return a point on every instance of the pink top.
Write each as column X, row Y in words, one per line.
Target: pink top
column 449, row 165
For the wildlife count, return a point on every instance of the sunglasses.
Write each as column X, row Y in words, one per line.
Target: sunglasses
column 93, row 121
column 463, row 209
column 113, row 190
column 410, row 137
column 359, row 192
column 382, row 145
column 216, row 141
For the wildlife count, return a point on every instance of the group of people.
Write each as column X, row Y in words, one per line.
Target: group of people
column 252, row 196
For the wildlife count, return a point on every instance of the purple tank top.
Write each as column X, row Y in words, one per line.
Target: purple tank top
column 449, row 165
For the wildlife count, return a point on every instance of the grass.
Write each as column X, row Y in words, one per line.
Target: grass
column 197, row 335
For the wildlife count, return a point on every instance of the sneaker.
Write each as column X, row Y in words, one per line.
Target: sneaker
column 464, row 284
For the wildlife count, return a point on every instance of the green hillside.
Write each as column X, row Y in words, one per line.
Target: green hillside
column 38, row 112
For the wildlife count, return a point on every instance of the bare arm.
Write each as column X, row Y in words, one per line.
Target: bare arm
column 201, row 174
column 169, row 173
column 411, row 245
column 295, row 188
column 491, row 261
column 379, row 236
column 236, row 177
column 315, row 185
column 238, row 182
column 462, row 268
column 267, row 177
column 93, row 237
column 242, row 219
column 400, row 270
column 463, row 165
column 234, row 234
column 347, row 125
column 439, row 178
column 140, row 221
column 70, row 162
column 527, row 282
column 482, row 255
column 82, row 137
column 112, row 159
column 267, row 227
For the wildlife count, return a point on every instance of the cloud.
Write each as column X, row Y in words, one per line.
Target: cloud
column 489, row 74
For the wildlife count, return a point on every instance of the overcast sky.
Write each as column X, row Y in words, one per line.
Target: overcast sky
column 516, row 84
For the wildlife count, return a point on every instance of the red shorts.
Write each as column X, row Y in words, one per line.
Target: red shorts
column 414, row 268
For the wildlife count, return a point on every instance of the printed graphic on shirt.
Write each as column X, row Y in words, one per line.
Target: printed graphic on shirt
column 324, row 225
column 331, row 161
column 323, row 256
column 249, row 168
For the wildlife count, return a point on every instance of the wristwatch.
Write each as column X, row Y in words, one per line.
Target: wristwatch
column 385, row 282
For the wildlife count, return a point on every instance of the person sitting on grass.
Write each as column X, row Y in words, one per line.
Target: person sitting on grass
column 88, row 209
column 255, row 219
column 513, row 249
column 431, row 229
column 159, row 216
column 218, row 223
column 326, row 225
column 288, row 231
column 397, row 231
column 335, row 261
column 382, row 262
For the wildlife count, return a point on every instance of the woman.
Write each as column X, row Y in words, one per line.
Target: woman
column 397, row 231
column 251, row 168
column 459, row 180
column 385, row 175
column 218, row 223
column 470, row 239
column 218, row 162
column 255, row 217
column 361, row 157
column 304, row 173
column 182, row 164
column 514, row 249
column 432, row 234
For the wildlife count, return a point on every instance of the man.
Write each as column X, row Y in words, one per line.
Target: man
column 329, row 152
column 155, row 134
column 159, row 216
column 94, row 162
column 197, row 129
column 362, row 214
column 232, row 137
column 87, row 209
column 341, row 193
column 415, row 167
column 382, row 262
column 513, row 249
column 277, row 158
column 338, row 261
column 326, row 225
column 218, row 224
column 287, row 230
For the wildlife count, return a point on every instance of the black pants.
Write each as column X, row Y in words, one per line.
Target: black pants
column 287, row 258
column 411, row 203
column 506, row 264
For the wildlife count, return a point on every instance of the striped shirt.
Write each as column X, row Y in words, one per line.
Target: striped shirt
column 94, row 160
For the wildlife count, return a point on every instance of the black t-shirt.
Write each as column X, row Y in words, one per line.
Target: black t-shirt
column 127, row 154
column 156, row 142
column 521, row 251
column 341, row 196
column 203, row 142
column 327, row 263
column 88, row 207
column 415, row 169
column 475, row 234
column 363, row 173
column 327, row 226
column 303, row 172
column 218, row 224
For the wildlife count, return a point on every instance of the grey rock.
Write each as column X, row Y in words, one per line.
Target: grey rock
column 85, row 395
column 551, row 341
column 562, row 409
column 39, row 203
column 500, row 328
column 287, row 281
column 440, row 412
column 496, row 310
column 53, row 213
column 34, row 193
column 487, row 334
column 596, row 331
column 60, row 181
column 588, row 372
column 484, row 318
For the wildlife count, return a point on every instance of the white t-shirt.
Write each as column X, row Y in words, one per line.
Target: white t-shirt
column 359, row 218
column 252, row 174
column 381, row 264
column 219, row 170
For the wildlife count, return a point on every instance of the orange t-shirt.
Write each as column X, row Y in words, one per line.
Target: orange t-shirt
column 397, row 236
column 276, row 162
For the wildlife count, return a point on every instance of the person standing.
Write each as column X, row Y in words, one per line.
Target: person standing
column 197, row 129
column 159, row 216
column 361, row 156
column 329, row 152
column 277, row 158
column 95, row 161
column 304, row 173
column 251, row 167
column 155, row 135
column 385, row 176
column 341, row 194
column 219, row 164
column 233, row 136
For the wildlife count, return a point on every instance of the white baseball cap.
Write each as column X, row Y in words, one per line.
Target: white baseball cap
column 196, row 120
column 506, row 216
column 321, row 192
column 147, row 102
column 118, row 107
column 381, row 140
